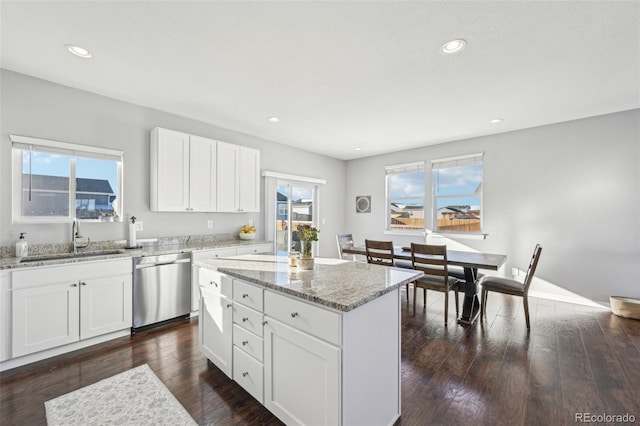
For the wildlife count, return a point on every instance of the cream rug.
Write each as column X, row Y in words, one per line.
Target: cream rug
column 135, row 397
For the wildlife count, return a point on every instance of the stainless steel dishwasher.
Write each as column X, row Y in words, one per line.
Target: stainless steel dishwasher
column 161, row 288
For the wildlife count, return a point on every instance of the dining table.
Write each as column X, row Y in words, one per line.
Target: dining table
column 470, row 261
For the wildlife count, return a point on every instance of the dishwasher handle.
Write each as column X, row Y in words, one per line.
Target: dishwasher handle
column 171, row 262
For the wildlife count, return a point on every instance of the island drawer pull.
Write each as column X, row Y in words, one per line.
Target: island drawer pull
column 245, row 319
column 245, row 374
column 245, row 295
column 294, row 314
column 245, row 343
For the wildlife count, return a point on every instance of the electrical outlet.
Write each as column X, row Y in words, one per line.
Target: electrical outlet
column 250, row 222
column 139, row 226
column 209, row 224
column 515, row 272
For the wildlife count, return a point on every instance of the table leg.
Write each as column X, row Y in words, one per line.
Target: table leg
column 471, row 305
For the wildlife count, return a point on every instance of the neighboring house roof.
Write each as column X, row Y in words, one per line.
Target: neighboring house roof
column 282, row 197
column 61, row 183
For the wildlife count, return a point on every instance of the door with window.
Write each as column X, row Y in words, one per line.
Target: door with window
column 295, row 205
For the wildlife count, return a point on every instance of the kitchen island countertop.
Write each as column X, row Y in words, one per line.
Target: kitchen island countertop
column 338, row 284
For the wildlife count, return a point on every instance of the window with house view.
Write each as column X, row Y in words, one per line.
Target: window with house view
column 405, row 197
column 457, row 193
column 57, row 181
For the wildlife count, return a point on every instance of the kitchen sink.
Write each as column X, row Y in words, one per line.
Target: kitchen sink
column 63, row 256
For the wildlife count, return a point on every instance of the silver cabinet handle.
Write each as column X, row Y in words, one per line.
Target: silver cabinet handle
column 245, row 319
column 214, row 283
column 294, row 314
column 83, row 283
column 245, row 374
column 245, row 295
column 74, row 285
column 265, row 322
column 245, row 342
column 229, row 305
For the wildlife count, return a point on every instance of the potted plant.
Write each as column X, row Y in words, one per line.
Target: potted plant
column 307, row 234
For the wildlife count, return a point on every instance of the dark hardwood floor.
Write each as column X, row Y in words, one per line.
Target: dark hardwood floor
column 576, row 359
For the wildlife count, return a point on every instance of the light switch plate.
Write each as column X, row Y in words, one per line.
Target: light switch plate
column 139, row 226
column 209, row 224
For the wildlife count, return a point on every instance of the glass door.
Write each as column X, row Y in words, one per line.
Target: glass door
column 295, row 205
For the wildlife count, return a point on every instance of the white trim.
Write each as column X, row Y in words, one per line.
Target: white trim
column 25, row 142
column 458, row 157
column 405, row 167
column 286, row 176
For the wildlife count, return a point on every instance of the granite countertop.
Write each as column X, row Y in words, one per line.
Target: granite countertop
column 116, row 253
column 338, row 284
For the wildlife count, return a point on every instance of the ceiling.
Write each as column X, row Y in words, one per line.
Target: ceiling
column 340, row 75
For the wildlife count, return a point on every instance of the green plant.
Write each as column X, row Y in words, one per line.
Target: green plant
column 307, row 234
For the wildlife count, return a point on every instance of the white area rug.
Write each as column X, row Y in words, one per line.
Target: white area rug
column 135, row 397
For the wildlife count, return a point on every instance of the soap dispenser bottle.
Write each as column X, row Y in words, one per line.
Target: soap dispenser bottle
column 22, row 248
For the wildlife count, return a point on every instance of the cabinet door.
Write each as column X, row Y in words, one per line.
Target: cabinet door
column 294, row 360
column 45, row 317
column 105, row 305
column 249, row 180
column 216, row 330
column 169, row 167
column 5, row 315
column 228, row 176
column 202, row 174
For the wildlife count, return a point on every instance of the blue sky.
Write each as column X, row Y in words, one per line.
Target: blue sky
column 58, row 165
column 408, row 188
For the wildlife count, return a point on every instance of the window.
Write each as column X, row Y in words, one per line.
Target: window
column 457, row 193
column 57, row 181
column 405, row 197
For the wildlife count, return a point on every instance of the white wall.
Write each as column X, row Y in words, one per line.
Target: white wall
column 38, row 108
column 573, row 187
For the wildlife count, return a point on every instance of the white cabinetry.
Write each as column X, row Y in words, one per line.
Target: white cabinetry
column 216, row 319
column 248, row 369
column 62, row 304
column 183, row 172
column 349, row 362
column 293, row 357
column 238, row 178
column 5, row 315
column 215, row 254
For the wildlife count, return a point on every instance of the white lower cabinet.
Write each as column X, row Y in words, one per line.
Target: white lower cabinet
column 307, row 364
column 302, row 376
column 216, row 254
column 5, row 315
column 216, row 319
column 62, row 304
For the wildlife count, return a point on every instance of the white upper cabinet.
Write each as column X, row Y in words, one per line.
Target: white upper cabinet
column 194, row 174
column 238, row 178
column 183, row 172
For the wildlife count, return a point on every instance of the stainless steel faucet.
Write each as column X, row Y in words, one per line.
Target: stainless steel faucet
column 75, row 236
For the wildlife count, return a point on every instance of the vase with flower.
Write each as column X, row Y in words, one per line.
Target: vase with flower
column 307, row 235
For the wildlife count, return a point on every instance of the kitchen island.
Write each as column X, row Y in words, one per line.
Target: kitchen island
column 314, row 347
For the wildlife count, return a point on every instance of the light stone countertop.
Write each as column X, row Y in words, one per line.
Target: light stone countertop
column 146, row 250
column 338, row 284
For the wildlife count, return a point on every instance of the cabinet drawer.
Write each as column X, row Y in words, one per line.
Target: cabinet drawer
column 247, row 294
column 215, row 281
column 314, row 320
column 213, row 254
column 248, row 319
column 260, row 248
column 248, row 373
column 248, row 342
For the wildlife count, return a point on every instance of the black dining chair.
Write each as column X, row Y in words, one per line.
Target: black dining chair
column 432, row 260
column 512, row 287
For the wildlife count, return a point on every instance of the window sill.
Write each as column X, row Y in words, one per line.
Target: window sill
column 419, row 233
column 458, row 236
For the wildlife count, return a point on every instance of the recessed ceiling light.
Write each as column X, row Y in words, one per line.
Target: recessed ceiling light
column 357, row 149
column 453, row 46
column 273, row 119
column 79, row 51
column 496, row 121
